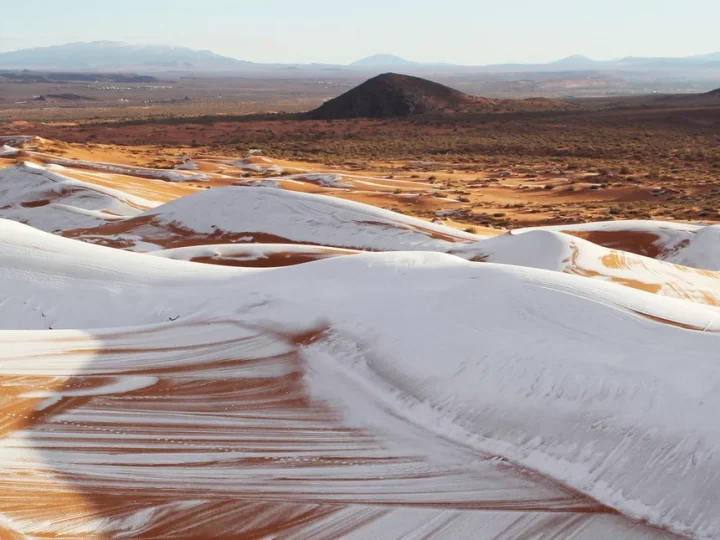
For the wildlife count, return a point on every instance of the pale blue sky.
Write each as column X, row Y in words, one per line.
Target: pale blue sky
column 472, row 32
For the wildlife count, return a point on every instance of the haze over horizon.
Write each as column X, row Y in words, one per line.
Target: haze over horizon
column 516, row 32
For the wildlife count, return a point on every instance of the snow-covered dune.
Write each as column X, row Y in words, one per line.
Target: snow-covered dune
column 51, row 201
column 256, row 214
column 54, row 282
column 352, row 388
column 552, row 250
column 663, row 240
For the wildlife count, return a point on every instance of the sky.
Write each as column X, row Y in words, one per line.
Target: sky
column 469, row 32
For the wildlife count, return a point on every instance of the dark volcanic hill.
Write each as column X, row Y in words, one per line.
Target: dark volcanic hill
column 390, row 95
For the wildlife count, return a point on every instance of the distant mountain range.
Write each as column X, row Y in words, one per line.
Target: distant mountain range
column 574, row 62
column 119, row 56
column 385, row 60
column 634, row 61
column 110, row 55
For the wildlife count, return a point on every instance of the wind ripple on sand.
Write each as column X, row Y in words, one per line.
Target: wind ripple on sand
column 225, row 436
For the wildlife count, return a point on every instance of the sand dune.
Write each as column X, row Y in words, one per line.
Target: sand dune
column 552, row 250
column 45, row 198
column 255, row 214
column 282, row 392
column 367, row 374
column 662, row 240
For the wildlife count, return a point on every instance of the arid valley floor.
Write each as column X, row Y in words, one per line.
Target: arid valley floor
column 480, row 325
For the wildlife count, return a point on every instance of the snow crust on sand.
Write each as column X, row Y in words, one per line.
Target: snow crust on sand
column 553, row 372
column 128, row 170
column 8, row 151
column 55, row 282
column 18, row 140
column 551, row 250
column 694, row 246
column 50, row 201
column 187, row 166
column 256, row 164
column 304, row 218
column 321, row 179
column 558, row 373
